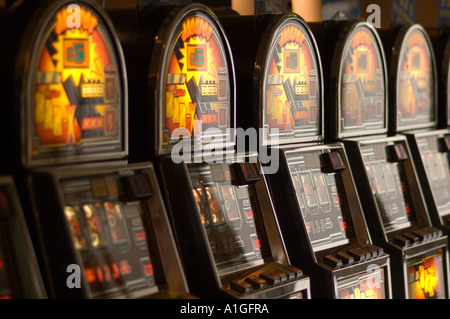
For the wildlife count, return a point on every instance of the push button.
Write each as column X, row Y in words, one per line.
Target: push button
column 332, row 261
column 297, row 271
column 373, row 252
column 240, row 286
column 273, row 277
column 347, row 260
column 434, row 232
column 380, row 250
column 256, row 282
column 357, row 254
column 368, row 254
column 289, row 274
column 414, row 239
column 423, row 234
column 401, row 241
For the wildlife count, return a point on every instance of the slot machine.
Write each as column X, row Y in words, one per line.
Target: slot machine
column 422, row 120
column 429, row 142
column 222, row 216
column 313, row 190
column 382, row 163
column 99, row 224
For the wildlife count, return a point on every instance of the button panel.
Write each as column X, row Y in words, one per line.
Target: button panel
column 269, row 277
column 417, row 236
column 352, row 255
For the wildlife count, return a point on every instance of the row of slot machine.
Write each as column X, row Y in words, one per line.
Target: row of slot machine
column 124, row 175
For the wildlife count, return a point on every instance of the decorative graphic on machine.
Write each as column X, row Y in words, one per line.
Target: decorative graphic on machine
column 415, row 81
column 197, row 87
column 426, row 277
column 77, row 98
column 363, row 286
column 362, row 102
column 291, row 100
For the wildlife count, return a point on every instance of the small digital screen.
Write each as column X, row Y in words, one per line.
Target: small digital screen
column 426, row 277
column 321, row 198
column 77, row 101
column 292, row 83
column 437, row 169
column 368, row 285
column 415, row 80
column 197, row 96
column 389, row 187
column 231, row 219
column 362, row 86
column 109, row 235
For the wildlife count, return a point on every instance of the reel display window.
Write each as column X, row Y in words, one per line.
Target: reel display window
column 231, row 219
column 111, row 223
column 109, row 235
column 387, row 178
column 323, row 206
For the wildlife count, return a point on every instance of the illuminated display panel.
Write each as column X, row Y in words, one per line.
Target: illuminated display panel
column 321, row 199
column 362, row 84
column 437, row 169
column 415, row 80
column 389, row 187
column 197, row 97
column 292, row 83
column 231, row 219
column 77, row 100
column 367, row 285
column 109, row 235
column 425, row 277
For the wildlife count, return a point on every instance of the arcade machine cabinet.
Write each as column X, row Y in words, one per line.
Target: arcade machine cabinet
column 382, row 164
column 100, row 225
column 222, row 216
column 313, row 190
